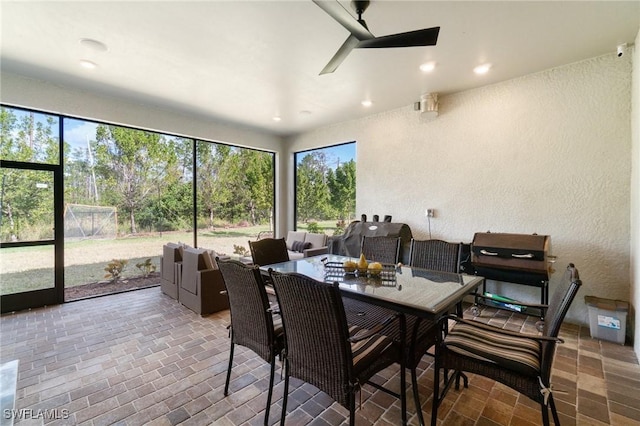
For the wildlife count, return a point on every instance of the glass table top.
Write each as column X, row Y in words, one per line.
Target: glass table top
column 414, row 290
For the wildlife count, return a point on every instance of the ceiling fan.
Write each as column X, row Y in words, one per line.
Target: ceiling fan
column 360, row 36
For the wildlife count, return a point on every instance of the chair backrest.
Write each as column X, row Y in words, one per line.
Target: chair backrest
column 171, row 253
column 251, row 322
column 561, row 300
column 554, row 316
column 436, row 255
column 381, row 249
column 316, row 333
column 268, row 251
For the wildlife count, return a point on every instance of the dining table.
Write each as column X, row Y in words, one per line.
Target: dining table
column 404, row 289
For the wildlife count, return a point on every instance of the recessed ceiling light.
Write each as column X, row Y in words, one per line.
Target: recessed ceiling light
column 92, row 44
column 428, row 66
column 482, row 69
column 366, row 103
column 277, row 118
column 88, row 64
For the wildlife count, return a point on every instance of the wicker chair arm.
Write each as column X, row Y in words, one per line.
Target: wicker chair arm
column 501, row 330
column 375, row 330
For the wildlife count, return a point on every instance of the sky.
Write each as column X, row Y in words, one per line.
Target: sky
column 337, row 154
column 78, row 132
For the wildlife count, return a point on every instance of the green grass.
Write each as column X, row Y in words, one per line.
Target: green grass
column 28, row 261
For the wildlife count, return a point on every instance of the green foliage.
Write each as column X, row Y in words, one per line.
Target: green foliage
column 314, row 228
column 312, row 192
column 115, row 268
column 323, row 192
column 149, row 178
column 342, row 186
column 146, row 267
column 26, row 197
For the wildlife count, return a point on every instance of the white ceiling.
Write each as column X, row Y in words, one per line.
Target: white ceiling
column 248, row 61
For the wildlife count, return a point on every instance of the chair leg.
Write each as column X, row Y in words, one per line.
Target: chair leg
column 226, row 385
column 416, row 396
column 436, row 394
column 545, row 414
column 352, row 408
column 270, row 393
column 286, row 392
column 554, row 412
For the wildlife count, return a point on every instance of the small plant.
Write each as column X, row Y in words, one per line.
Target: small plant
column 314, row 228
column 115, row 268
column 340, row 226
column 240, row 250
column 147, row 267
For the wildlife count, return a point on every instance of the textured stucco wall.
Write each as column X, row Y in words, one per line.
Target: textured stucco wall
column 546, row 153
column 635, row 196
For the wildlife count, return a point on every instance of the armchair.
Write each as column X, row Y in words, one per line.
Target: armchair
column 521, row 361
column 201, row 283
column 171, row 269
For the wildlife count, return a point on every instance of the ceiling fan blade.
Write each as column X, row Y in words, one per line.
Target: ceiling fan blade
column 425, row 37
column 349, row 44
column 344, row 18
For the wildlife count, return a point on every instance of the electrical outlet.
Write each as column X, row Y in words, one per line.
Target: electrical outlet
column 431, row 213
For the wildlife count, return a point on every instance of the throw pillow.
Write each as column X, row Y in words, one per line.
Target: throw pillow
column 300, row 246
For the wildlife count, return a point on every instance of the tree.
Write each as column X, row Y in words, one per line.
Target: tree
column 26, row 196
column 246, row 186
column 312, row 192
column 342, row 186
column 131, row 164
column 210, row 162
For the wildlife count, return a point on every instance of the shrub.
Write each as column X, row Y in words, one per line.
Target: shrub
column 115, row 268
column 340, row 226
column 314, row 228
column 240, row 250
column 147, row 267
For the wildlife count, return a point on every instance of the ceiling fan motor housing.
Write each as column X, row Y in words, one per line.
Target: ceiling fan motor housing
column 360, row 6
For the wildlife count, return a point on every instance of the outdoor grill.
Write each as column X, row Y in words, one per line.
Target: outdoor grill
column 513, row 258
column 349, row 244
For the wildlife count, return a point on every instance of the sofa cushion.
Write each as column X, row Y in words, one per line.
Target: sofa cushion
column 209, row 259
column 300, row 246
column 316, row 240
column 294, row 236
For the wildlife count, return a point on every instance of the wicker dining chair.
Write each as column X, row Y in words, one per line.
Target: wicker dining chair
column 269, row 250
column 421, row 334
column 253, row 325
column 436, row 255
column 320, row 348
column 381, row 249
column 520, row 361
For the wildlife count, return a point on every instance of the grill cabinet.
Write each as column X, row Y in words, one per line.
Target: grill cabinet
column 513, row 258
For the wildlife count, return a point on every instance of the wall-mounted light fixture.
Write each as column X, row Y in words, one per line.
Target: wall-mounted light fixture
column 428, row 104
